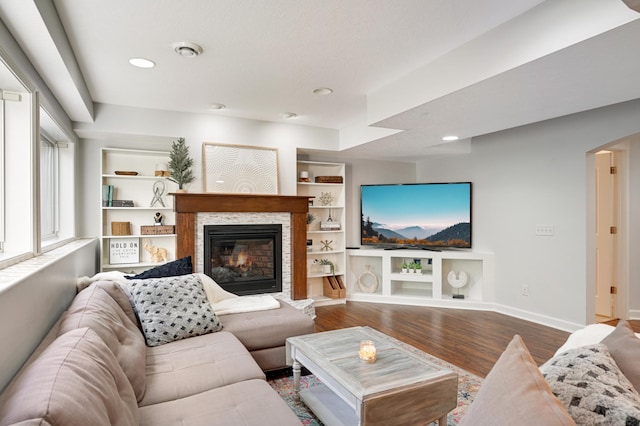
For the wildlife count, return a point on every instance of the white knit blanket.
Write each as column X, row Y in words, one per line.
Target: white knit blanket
column 222, row 302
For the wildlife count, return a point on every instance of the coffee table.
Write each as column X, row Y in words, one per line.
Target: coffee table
column 400, row 388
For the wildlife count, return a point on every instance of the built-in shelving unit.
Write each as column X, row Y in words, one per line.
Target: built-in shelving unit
column 326, row 233
column 376, row 275
column 139, row 189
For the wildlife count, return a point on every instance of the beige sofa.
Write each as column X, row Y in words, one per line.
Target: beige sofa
column 593, row 379
column 94, row 368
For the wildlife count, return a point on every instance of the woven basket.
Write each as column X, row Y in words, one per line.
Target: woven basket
column 120, row 228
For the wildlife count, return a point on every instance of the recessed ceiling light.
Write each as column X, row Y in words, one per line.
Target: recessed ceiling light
column 323, row 91
column 288, row 115
column 450, row 138
column 187, row 49
column 217, row 106
column 142, row 63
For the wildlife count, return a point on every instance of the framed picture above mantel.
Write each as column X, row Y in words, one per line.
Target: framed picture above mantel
column 239, row 168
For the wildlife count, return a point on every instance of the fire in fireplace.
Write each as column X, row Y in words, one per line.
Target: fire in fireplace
column 244, row 259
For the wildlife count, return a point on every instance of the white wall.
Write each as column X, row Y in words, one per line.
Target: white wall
column 146, row 129
column 531, row 175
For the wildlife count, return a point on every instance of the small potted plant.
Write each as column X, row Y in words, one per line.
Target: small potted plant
column 418, row 268
column 405, row 266
column 412, row 267
column 310, row 219
column 327, row 266
column 180, row 164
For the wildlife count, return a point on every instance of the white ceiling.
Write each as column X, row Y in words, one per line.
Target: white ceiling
column 426, row 67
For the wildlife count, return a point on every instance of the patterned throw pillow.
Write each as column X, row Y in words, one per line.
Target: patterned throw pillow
column 592, row 387
column 173, row 308
column 171, row 269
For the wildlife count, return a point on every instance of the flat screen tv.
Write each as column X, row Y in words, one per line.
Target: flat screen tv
column 418, row 215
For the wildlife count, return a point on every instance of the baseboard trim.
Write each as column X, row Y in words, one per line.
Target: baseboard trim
column 538, row 318
column 634, row 314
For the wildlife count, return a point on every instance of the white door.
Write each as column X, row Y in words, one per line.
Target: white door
column 605, row 238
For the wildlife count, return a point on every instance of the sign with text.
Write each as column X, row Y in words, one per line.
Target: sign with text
column 124, row 250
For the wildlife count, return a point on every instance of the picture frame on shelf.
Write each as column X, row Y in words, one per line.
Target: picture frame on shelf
column 124, row 250
column 239, row 168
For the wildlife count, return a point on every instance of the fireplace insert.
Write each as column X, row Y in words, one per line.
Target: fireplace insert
column 244, row 259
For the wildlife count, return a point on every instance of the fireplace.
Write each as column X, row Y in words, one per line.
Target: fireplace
column 244, row 259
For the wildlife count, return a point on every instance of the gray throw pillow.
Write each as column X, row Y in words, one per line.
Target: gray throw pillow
column 592, row 387
column 173, row 308
column 624, row 347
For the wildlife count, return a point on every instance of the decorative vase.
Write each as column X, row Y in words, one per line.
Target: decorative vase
column 181, row 191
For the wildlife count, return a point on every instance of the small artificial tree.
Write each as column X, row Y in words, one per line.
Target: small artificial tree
column 180, row 163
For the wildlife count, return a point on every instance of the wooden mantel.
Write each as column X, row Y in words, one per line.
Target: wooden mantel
column 187, row 205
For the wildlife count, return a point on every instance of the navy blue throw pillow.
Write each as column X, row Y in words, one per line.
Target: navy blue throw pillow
column 171, row 269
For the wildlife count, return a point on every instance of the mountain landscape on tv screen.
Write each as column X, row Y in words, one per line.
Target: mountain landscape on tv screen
column 458, row 235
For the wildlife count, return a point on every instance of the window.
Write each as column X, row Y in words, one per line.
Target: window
column 48, row 188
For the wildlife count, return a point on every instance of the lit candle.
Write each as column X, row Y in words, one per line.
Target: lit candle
column 367, row 351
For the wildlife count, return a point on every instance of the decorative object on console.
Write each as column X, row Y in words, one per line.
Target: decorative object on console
column 158, row 254
column 120, row 228
column 124, row 250
column 327, row 266
column 158, row 191
column 125, row 173
column 158, row 218
column 457, row 281
column 240, row 169
column 329, row 179
column 333, row 287
column 162, row 170
column 367, row 351
column 180, row 164
column 326, row 245
column 310, row 218
column 326, row 199
column 367, row 275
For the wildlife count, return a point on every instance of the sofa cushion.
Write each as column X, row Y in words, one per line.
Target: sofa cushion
column 592, row 387
column 172, row 308
column 93, row 307
column 515, row 393
column 75, row 381
column 121, row 296
column 170, row 269
column 195, row 365
column 252, row 402
column 624, row 347
column 268, row 329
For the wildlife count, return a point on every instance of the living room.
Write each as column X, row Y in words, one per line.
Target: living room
column 524, row 174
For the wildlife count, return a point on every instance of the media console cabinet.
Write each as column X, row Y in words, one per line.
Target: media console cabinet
column 376, row 275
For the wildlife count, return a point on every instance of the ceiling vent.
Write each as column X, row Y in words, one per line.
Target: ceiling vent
column 187, row 49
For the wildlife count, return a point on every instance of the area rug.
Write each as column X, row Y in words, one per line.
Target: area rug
column 468, row 385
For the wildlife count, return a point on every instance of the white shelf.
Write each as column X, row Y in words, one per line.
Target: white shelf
column 131, row 265
column 142, row 177
column 139, row 236
column 430, row 288
column 137, row 208
column 315, row 285
column 139, row 189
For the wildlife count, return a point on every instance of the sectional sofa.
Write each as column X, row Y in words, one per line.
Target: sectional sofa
column 113, row 359
column 593, row 379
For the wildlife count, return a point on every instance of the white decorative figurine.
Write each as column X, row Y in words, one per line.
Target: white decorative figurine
column 158, row 254
column 457, row 282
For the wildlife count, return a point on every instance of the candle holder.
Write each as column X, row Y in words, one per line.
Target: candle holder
column 367, row 351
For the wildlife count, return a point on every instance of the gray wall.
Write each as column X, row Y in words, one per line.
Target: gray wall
column 30, row 306
column 537, row 174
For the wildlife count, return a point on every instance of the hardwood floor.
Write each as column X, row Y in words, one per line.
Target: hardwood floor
column 472, row 340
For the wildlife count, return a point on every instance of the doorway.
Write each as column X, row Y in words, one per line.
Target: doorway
column 607, row 210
